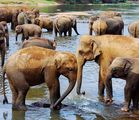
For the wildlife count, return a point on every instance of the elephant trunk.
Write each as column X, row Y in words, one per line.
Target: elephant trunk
column 69, row 89
column 16, row 36
column 80, row 62
column 75, row 29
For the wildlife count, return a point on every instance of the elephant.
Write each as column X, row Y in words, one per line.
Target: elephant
column 10, row 15
column 36, row 11
column 74, row 23
column 35, row 65
column 4, row 23
column 41, row 42
column 133, row 29
column 103, row 49
column 28, row 30
column 44, row 22
column 102, row 26
column 64, row 19
column 127, row 69
column 62, row 25
column 26, row 17
column 2, row 44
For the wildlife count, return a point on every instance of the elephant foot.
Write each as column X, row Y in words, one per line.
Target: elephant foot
column 101, row 98
column 58, row 107
column 108, row 101
column 19, row 107
column 125, row 109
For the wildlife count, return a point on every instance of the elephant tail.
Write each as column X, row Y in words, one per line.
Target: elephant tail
column 5, row 100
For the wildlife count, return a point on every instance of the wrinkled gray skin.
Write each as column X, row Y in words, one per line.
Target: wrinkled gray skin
column 133, row 29
column 4, row 23
column 127, row 69
column 41, row 42
column 2, row 44
column 28, row 30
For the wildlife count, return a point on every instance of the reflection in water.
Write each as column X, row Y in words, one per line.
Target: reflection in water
column 18, row 115
column 79, row 107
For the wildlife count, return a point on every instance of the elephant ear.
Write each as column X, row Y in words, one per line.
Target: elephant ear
column 127, row 66
column 58, row 62
column 96, row 49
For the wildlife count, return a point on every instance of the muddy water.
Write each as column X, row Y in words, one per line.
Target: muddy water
column 78, row 107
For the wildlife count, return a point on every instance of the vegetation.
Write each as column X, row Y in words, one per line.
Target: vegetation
column 33, row 2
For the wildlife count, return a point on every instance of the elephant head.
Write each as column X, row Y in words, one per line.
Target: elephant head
column 91, row 22
column 87, row 50
column 66, row 64
column 18, row 30
column 30, row 16
column 74, row 24
column 119, row 68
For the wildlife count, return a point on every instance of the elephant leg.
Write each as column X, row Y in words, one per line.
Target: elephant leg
column 102, row 77
column 90, row 31
column 60, row 33
column 135, row 97
column 14, row 95
column 135, row 102
column 55, row 30
column 7, row 39
column 53, row 85
column 54, row 92
column 127, row 93
column 65, row 33
column 20, row 101
column 101, row 84
column 23, row 37
column 3, row 51
column 70, row 32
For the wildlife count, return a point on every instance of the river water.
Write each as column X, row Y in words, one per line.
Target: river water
column 85, row 107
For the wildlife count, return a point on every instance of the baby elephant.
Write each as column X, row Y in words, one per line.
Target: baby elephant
column 28, row 30
column 127, row 69
column 41, row 42
column 35, row 65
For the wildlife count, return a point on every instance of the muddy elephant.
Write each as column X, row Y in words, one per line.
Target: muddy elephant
column 35, row 65
column 133, row 29
column 127, row 69
column 103, row 49
column 4, row 23
column 41, row 42
column 2, row 44
column 44, row 22
column 102, row 26
column 28, row 30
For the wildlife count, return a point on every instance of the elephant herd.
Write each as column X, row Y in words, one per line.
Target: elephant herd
column 37, row 61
